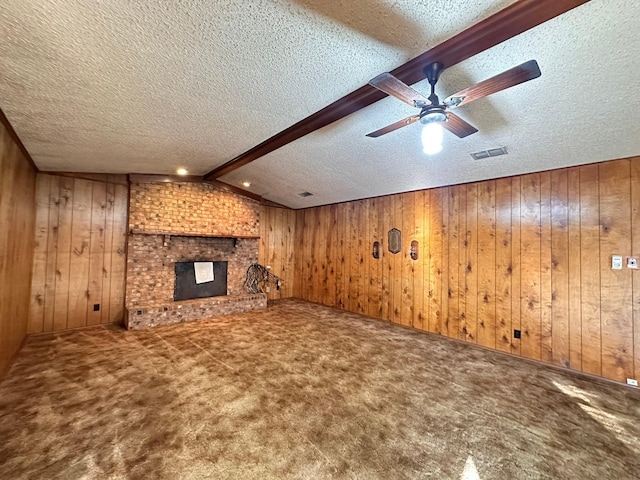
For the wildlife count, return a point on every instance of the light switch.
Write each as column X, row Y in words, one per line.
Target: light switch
column 616, row 262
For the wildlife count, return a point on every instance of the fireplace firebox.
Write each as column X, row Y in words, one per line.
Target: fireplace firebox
column 199, row 279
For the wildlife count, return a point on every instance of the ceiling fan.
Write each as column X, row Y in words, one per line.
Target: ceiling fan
column 432, row 111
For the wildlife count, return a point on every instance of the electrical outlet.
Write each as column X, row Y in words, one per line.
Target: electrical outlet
column 516, row 334
column 268, row 267
column 268, row 289
column 632, row 262
column 632, row 381
column 96, row 307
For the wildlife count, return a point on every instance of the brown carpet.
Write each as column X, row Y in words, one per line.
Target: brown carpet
column 303, row 391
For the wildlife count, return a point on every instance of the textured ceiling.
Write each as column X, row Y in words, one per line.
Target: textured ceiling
column 146, row 87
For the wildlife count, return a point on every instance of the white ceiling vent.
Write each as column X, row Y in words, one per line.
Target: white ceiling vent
column 305, row 194
column 493, row 152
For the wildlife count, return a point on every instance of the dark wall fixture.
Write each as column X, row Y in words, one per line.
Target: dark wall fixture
column 395, row 240
column 414, row 250
column 376, row 250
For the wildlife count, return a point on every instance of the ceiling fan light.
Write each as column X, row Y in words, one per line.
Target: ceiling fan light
column 432, row 138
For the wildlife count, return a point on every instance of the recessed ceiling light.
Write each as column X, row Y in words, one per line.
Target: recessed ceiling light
column 182, row 171
column 246, row 184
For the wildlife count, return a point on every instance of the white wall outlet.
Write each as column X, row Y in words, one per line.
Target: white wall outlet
column 268, row 289
column 632, row 381
column 632, row 262
column 616, row 262
column 268, row 267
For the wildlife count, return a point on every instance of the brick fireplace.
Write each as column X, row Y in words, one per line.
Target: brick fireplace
column 184, row 222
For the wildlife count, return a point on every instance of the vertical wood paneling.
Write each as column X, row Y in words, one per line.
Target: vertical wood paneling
column 486, row 334
column 396, row 262
column 408, row 235
column 530, row 236
column 435, row 262
column 504, row 267
column 37, row 305
column 546, row 353
column 635, row 251
column 516, row 263
column 529, row 253
column 590, row 270
column 276, row 248
column 63, row 257
column 17, row 221
column 110, row 226
column 419, row 313
column 560, row 267
column 453, row 245
column 374, row 294
column 444, row 265
column 96, row 253
column 84, row 254
column 471, row 271
column 616, row 305
column 575, row 275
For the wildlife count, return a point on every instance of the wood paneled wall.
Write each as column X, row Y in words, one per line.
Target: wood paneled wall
column 276, row 247
column 79, row 253
column 531, row 253
column 17, row 213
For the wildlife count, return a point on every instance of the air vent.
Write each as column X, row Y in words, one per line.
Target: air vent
column 492, row 152
column 305, row 194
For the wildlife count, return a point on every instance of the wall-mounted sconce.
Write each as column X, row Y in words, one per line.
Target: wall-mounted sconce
column 414, row 250
column 376, row 250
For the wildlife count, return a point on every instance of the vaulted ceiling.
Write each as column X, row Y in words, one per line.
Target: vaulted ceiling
column 146, row 87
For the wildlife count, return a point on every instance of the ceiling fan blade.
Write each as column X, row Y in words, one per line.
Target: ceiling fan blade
column 394, row 126
column 515, row 76
column 396, row 88
column 458, row 126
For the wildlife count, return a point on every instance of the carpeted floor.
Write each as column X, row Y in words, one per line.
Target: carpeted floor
column 303, row 391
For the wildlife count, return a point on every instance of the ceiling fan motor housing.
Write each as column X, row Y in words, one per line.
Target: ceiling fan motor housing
column 432, row 114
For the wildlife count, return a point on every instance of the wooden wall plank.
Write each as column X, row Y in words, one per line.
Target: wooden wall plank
column 545, row 269
column 486, row 334
column 408, row 235
column 471, row 271
column 590, row 270
column 516, row 263
column 463, row 240
column 453, row 269
column 574, row 261
column 109, row 222
column 79, row 258
column 299, row 254
column 435, row 262
column 96, row 253
column 444, row 265
column 38, row 276
column 616, row 307
column 560, row 296
column 332, row 236
column 419, row 313
column 118, row 255
column 52, row 252
column 63, row 257
column 504, row 266
column 530, row 236
column 340, row 262
column 374, row 295
column 361, row 258
column 396, row 262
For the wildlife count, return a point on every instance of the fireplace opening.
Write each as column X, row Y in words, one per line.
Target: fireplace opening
column 199, row 279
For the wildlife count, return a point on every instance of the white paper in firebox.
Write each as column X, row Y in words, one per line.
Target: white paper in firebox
column 203, row 271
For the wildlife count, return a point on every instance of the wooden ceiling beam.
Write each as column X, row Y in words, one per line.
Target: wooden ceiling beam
column 507, row 23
